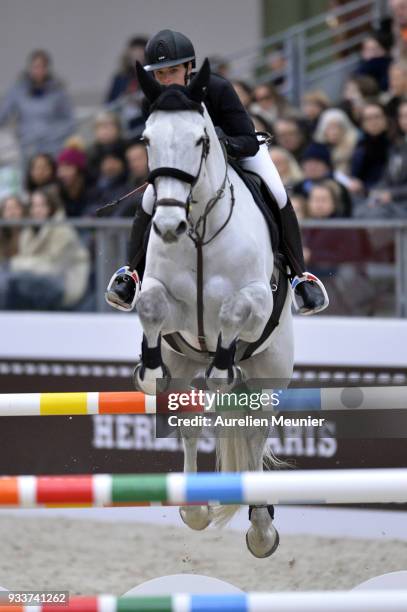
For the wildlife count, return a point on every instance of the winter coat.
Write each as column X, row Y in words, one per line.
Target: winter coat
column 369, row 158
column 55, row 250
column 44, row 115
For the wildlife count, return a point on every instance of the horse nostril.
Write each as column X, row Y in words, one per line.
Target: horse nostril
column 181, row 229
column 155, row 228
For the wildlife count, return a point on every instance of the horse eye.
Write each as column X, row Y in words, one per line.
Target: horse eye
column 146, row 140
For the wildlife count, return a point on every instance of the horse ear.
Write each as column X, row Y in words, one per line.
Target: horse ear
column 149, row 86
column 198, row 85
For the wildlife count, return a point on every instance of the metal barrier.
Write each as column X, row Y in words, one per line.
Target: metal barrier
column 111, row 239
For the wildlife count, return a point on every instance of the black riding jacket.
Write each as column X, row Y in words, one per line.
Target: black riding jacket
column 228, row 114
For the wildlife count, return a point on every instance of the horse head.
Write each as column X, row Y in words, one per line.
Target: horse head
column 178, row 137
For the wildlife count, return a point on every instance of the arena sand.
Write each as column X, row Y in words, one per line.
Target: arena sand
column 86, row 556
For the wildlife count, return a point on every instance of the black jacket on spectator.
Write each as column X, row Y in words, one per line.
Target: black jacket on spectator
column 369, row 159
column 378, row 69
column 229, row 114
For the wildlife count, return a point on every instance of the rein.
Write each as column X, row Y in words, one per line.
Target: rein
column 197, row 231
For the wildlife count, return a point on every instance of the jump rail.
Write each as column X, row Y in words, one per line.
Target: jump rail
column 308, row 601
column 107, row 402
column 384, row 485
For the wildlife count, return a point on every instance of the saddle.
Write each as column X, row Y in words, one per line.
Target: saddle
column 279, row 280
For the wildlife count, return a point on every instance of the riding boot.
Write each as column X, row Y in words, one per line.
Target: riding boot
column 309, row 293
column 124, row 285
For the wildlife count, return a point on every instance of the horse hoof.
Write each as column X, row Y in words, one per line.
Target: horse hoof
column 196, row 517
column 262, row 546
column 218, row 380
column 145, row 380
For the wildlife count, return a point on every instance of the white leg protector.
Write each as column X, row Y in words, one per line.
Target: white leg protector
column 262, row 164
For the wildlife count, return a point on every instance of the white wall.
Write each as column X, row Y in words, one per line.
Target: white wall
column 332, row 341
column 86, row 37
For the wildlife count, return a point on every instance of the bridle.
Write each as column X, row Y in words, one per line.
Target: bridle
column 197, row 231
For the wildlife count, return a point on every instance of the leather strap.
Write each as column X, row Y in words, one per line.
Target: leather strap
column 172, row 172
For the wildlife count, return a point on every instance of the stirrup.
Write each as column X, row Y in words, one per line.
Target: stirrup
column 306, row 277
column 111, row 297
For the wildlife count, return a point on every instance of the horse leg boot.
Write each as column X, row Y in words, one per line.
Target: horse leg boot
column 244, row 312
column 196, row 517
column 152, row 308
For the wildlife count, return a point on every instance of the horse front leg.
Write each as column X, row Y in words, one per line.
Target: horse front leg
column 196, row 517
column 153, row 308
column 243, row 313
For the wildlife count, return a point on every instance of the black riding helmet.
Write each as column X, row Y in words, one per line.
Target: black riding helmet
column 168, row 48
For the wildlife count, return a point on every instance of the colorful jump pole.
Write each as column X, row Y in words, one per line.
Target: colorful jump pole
column 385, row 485
column 116, row 402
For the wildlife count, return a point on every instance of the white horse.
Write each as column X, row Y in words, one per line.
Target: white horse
column 207, row 278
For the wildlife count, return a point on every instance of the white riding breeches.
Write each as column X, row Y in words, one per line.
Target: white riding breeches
column 262, row 164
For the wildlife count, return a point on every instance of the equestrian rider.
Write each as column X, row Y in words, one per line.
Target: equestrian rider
column 171, row 57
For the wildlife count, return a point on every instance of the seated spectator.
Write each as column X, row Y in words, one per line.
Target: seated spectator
column 125, row 80
column 397, row 88
column 325, row 200
column 74, row 188
column 358, row 90
column 40, row 106
column 11, row 208
column 336, row 130
column 313, row 104
column 268, row 103
column 291, row 136
column 398, row 11
column 376, row 59
column 371, row 153
column 317, row 166
column 389, row 197
column 137, row 162
column 112, row 179
column 244, row 92
column 107, row 131
column 287, row 166
column 41, row 171
column 51, row 268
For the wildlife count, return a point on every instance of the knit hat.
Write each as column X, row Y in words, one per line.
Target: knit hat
column 72, row 157
column 317, row 150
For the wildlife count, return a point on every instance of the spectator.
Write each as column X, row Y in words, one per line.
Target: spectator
column 41, row 107
column 41, row 171
column 244, row 92
column 317, row 166
column 313, row 103
column 137, row 162
column 219, row 66
column 397, row 89
column 375, row 59
column 287, row 166
column 398, row 9
column 76, row 194
column 51, row 269
column 268, row 103
column 358, row 90
column 112, row 180
column 107, row 132
column 12, row 208
column 125, row 82
column 389, row 198
column 291, row 136
column 337, row 131
column 260, row 124
column 371, row 153
column 325, row 200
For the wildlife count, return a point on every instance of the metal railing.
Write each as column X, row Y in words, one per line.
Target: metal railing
column 110, row 240
column 313, row 51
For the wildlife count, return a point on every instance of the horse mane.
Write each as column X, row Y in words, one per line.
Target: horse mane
column 176, row 98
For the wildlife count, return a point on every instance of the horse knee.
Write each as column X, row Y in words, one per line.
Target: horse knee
column 152, row 306
column 234, row 311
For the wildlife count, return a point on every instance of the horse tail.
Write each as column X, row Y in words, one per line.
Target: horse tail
column 233, row 454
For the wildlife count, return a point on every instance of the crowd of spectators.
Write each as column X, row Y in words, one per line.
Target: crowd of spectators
column 337, row 159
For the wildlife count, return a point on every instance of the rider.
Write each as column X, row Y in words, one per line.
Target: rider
column 171, row 57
